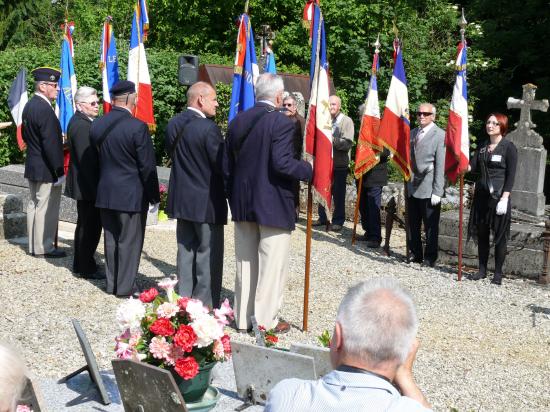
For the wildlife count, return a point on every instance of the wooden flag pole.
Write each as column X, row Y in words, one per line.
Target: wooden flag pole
column 407, row 234
column 356, row 215
column 308, row 255
column 460, row 216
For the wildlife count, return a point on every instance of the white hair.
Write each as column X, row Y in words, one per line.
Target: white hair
column 83, row 94
column 268, row 86
column 428, row 104
column 378, row 321
column 12, row 378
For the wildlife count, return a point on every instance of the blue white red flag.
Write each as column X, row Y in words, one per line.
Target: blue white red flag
column 395, row 128
column 138, row 71
column 368, row 146
column 108, row 62
column 270, row 61
column 67, row 82
column 318, row 134
column 457, row 140
column 17, row 99
column 245, row 71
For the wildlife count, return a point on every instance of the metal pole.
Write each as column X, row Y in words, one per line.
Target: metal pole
column 460, row 226
column 356, row 216
column 407, row 234
column 308, row 255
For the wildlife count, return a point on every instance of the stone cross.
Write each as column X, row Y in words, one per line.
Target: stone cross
column 526, row 104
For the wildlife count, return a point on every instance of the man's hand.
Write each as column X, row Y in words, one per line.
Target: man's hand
column 435, row 200
column 153, row 208
column 404, row 377
column 60, row 180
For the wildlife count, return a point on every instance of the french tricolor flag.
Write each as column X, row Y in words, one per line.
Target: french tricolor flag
column 318, row 135
column 368, row 144
column 138, row 72
column 17, row 99
column 395, row 128
column 457, row 140
column 108, row 62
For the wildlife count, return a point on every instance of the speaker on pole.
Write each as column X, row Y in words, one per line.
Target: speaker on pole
column 188, row 69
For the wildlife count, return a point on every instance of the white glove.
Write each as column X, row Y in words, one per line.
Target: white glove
column 435, row 200
column 60, row 181
column 502, row 206
column 153, row 208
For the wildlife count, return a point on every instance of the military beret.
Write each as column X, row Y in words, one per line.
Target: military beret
column 46, row 74
column 123, row 87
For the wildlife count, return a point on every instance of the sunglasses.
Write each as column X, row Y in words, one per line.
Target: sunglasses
column 425, row 114
column 94, row 103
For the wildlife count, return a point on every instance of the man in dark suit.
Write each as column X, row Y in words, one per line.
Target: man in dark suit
column 426, row 186
column 128, row 182
column 289, row 103
column 196, row 195
column 261, row 175
column 82, row 179
column 44, row 164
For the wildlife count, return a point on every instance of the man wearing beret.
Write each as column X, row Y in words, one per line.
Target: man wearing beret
column 128, row 183
column 44, row 163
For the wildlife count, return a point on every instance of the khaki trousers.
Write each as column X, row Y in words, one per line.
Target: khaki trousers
column 42, row 216
column 261, row 254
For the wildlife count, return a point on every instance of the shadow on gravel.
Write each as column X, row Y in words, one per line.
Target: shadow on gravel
column 535, row 309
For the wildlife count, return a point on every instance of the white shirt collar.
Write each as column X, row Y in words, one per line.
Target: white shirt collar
column 427, row 128
column 269, row 102
column 196, row 111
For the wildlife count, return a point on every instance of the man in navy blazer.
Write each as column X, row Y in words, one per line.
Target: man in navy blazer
column 196, row 195
column 262, row 169
column 128, row 183
column 44, row 163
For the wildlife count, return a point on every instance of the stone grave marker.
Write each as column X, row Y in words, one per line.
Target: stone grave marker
column 91, row 364
column 259, row 369
column 528, row 192
column 32, row 397
column 321, row 357
column 145, row 387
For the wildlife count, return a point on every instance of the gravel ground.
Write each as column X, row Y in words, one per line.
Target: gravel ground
column 483, row 347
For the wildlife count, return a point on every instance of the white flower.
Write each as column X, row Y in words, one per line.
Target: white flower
column 167, row 310
column 207, row 330
column 195, row 308
column 168, row 285
column 129, row 314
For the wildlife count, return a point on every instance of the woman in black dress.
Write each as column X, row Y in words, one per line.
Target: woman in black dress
column 495, row 162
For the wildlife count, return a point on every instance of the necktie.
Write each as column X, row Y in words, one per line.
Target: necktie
column 419, row 137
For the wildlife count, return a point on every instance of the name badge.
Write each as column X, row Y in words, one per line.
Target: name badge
column 496, row 158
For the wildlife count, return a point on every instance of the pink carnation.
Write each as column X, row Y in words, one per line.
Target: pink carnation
column 159, row 348
column 224, row 312
column 175, row 354
column 167, row 310
column 226, row 341
column 218, row 350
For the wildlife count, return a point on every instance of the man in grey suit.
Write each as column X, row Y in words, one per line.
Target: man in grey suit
column 426, row 184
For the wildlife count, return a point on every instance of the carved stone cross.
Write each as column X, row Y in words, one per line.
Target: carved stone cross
column 526, row 104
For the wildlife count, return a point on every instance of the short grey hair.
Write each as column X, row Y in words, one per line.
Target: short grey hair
column 378, row 321
column 290, row 96
column 428, row 104
column 268, row 86
column 12, row 376
column 83, row 94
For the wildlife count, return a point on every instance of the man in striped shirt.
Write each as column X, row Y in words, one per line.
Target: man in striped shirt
column 372, row 350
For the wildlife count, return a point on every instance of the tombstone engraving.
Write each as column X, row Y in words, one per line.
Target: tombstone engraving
column 91, row 364
column 321, row 357
column 528, row 193
column 258, row 369
column 145, row 387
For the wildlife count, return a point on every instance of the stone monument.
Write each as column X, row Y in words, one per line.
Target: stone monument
column 528, row 192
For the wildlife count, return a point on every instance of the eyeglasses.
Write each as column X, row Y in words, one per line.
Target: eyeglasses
column 288, row 105
column 94, row 103
column 491, row 123
column 56, row 85
column 425, row 114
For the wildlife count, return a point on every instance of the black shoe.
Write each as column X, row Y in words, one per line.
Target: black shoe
column 373, row 244
column 56, row 253
column 319, row 223
column 430, row 263
column 415, row 259
column 244, row 330
column 497, row 279
column 336, row 228
column 95, row 275
column 478, row 276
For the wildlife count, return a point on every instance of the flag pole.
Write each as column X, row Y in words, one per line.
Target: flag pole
column 246, row 7
column 460, row 225
column 356, row 215
column 308, row 256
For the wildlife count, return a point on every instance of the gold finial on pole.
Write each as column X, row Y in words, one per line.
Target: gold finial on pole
column 395, row 30
column 377, row 44
column 246, row 6
column 462, row 23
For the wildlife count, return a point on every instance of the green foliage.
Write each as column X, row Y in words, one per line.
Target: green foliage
column 324, row 339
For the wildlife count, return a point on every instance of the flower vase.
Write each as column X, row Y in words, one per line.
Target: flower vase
column 193, row 389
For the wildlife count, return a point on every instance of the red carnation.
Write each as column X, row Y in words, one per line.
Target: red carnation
column 148, row 295
column 162, row 327
column 272, row 338
column 226, row 344
column 185, row 338
column 187, row 367
column 182, row 302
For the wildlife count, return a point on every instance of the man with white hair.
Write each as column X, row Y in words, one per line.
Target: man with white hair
column 82, row 179
column 261, row 172
column 372, row 350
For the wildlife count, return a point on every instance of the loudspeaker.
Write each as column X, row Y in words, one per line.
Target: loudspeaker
column 188, row 71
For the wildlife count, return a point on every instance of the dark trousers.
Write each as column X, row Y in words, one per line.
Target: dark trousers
column 338, row 197
column 200, row 261
column 421, row 211
column 369, row 207
column 483, row 245
column 86, row 237
column 123, row 233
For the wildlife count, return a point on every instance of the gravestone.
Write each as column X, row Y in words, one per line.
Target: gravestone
column 528, row 193
column 145, row 387
column 32, row 397
column 321, row 357
column 259, row 369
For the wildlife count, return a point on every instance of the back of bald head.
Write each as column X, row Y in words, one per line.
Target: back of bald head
column 196, row 90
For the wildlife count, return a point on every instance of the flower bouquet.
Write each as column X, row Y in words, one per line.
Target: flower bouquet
column 172, row 332
column 163, row 190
